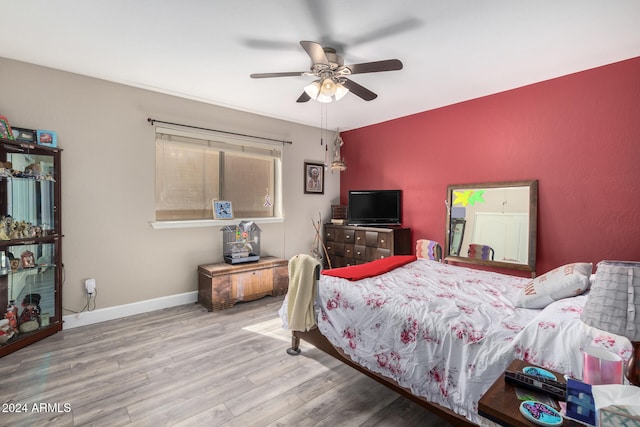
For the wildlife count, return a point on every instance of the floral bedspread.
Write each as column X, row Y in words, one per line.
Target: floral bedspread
column 447, row 332
column 557, row 336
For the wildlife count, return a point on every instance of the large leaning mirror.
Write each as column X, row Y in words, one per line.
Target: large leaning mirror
column 493, row 224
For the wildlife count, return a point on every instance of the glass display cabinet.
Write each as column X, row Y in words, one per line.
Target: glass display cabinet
column 30, row 244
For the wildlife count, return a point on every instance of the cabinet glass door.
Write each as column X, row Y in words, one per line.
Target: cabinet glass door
column 27, row 288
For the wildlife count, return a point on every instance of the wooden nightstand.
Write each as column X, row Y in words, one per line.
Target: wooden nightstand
column 501, row 405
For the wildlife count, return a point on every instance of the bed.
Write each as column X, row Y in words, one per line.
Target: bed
column 441, row 334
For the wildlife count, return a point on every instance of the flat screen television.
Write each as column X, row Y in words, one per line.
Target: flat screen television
column 374, row 207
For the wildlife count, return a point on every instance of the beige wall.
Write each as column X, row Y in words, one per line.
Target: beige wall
column 108, row 182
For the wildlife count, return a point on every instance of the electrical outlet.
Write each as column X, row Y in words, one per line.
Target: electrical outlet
column 90, row 286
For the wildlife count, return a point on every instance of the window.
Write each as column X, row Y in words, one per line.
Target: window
column 193, row 169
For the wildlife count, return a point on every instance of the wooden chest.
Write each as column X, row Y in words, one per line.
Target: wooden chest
column 221, row 285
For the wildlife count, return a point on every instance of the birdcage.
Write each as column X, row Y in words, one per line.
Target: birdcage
column 241, row 242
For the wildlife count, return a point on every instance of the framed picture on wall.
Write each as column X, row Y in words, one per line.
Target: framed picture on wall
column 222, row 209
column 313, row 178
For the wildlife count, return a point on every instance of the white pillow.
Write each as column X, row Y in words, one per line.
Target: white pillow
column 566, row 281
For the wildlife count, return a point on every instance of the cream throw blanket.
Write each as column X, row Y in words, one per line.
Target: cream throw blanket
column 303, row 272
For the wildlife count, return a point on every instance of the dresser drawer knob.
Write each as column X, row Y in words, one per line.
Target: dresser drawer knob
column 381, row 240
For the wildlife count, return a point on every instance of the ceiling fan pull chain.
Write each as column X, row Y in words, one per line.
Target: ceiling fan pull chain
column 321, row 119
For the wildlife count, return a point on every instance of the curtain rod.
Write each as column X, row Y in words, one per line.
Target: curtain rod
column 152, row 121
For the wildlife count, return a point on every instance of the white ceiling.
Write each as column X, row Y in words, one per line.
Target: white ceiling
column 452, row 50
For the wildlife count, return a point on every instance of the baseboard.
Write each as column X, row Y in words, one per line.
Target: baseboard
column 117, row 312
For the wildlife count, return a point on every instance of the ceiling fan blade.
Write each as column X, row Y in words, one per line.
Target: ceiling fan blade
column 320, row 15
column 303, row 98
column 376, row 66
column 315, row 51
column 358, row 90
column 389, row 30
column 287, row 74
column 271, row 44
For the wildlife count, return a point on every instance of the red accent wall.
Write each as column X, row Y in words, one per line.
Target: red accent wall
column 579, row 135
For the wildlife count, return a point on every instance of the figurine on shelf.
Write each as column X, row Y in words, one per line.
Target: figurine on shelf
column 30, row 318
column 33, row 170
column 27, row 260
column 6, row 169
column 4, row 228
column 5, row 331
column 18, row 230
column 12, row 230
column 12, row 316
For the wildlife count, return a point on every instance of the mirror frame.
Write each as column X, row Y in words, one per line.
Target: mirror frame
column 533, row 223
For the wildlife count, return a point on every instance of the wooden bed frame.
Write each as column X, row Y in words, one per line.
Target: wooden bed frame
column 315, row 338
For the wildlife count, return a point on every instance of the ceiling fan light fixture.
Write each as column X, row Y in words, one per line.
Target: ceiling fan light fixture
column 324, row 98
column 340, row 91
column 313, row 89
column 328, row 87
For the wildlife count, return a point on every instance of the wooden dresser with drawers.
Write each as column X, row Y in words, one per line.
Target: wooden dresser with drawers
column 351, row 245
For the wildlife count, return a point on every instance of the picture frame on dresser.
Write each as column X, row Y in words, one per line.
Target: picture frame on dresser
column 313, row 178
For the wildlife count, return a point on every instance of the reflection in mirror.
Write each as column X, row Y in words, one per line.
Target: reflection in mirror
column 493, row 224
column 456, row 235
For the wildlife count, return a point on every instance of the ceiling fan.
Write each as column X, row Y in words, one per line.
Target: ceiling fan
column 333, row 82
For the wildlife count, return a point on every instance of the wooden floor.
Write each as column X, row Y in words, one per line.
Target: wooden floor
column 185, row 366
